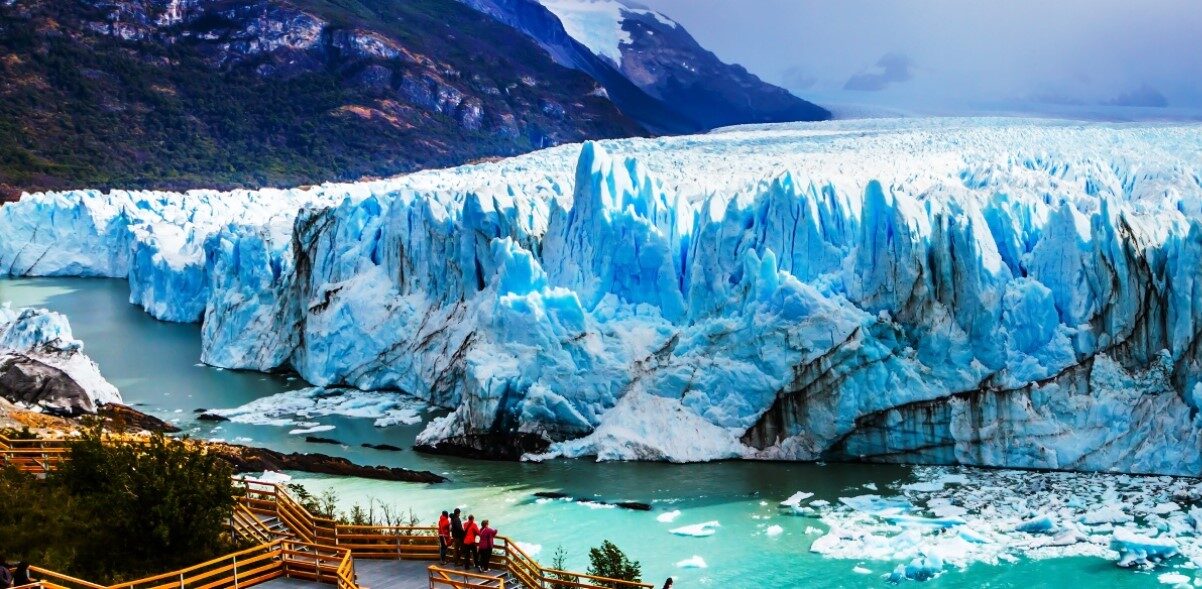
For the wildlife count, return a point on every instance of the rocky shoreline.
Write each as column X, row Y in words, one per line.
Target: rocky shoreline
column 245, row 459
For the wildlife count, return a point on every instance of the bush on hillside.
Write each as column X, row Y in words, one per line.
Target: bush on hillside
column 119, row 511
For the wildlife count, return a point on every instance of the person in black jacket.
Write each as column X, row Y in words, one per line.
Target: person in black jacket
column 6, row 578
column 457, row 534
column 21, row 576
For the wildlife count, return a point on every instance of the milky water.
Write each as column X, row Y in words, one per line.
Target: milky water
column 155, row 366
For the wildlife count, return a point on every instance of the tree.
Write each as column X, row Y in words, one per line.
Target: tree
column 610, row 562
column 559, row 562
column 151, row 506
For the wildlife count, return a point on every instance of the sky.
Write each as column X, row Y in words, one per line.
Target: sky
column 1139, row 57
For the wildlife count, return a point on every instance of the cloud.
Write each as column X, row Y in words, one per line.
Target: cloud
column 1145, row 96
column 891, row 68
column 797, row 78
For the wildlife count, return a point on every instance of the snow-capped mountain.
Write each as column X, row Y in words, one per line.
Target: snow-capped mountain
column 650, row 66
column 998, row 292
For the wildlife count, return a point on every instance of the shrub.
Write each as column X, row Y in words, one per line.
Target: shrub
column 610, row 562
column 117, row 511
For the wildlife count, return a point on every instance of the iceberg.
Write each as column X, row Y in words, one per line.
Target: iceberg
column 995, row 292
column 44, row 368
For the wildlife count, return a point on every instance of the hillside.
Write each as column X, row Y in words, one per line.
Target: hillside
column 177, row 94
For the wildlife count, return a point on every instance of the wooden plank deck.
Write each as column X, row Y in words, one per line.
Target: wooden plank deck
column 399, row 574
column 286, row 583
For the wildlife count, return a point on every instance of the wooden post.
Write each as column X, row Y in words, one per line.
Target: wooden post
column 235, row 572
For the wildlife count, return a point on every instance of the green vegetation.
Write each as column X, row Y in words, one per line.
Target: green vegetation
column 119, row 511
column 84, row 109
column 610, row 562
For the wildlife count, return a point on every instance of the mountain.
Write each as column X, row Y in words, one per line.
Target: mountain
column 996, row 292
column 650, row 65
column 227, row 93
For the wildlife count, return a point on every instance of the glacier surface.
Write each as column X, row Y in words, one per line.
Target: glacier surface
column 999, row 292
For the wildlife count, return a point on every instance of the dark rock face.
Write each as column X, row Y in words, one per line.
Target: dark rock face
column 34, row 383
column 383, row 447
column 125, row 418
column 247, row 459
column 488, row 446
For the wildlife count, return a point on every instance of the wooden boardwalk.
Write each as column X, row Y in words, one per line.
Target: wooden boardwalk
column 402, row 574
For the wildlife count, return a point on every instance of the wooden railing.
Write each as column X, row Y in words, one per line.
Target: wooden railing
column 36, row 456
column 310, row 547
column 440, row 577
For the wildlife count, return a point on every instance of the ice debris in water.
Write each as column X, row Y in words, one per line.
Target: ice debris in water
column 698, row 530
column 773, row 530
column 994, row 516
column 693, row 562
column 292, row 408
column 668, row 517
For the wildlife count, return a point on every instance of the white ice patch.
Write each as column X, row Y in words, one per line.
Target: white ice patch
column 773, row 531
column 693, row 562
column 313, row 429
column 293, row 408
column 668, row 516
column 700, row 530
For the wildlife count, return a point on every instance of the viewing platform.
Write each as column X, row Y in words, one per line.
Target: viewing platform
column 297, row 549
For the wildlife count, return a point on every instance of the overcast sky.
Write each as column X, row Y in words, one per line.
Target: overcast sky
column 949, row 56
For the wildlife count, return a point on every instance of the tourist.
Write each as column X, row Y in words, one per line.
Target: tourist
column 6, row 578
column 457, row 534
column 470, row 535
column 485, row 546
column 21, row 575
column 444, row 537
column 668, row 583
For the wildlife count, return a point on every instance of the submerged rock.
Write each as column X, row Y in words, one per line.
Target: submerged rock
column 42, row 366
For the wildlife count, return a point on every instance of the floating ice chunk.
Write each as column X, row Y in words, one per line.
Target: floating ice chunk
column 859, row 570
column 1174, row 579
column 1165, row 508
column 820, row 503
column 795, row 499
column 693, row 562
column 878, row 505
column 1111, row 513
column 1139, row 550
column 773, row 531
column 870, row 486
column 311, row 430
column 922, row 568
column 668, row 516
column 927, row 522
column 1040, row 524
column 700, row 530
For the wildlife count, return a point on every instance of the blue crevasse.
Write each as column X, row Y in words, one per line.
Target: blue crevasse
column 982, row 291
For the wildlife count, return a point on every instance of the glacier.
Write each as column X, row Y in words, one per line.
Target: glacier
column 995, row 292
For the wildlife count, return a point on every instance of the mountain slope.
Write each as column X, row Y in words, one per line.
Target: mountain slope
column 681, row 87
column 226, row 93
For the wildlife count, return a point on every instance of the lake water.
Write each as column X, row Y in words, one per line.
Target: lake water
column 154, row 364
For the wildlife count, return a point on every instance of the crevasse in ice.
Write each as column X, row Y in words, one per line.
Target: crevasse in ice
column 1001, row 292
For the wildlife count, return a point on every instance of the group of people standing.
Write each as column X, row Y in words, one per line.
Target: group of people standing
column 472, row 542
column 17, row 576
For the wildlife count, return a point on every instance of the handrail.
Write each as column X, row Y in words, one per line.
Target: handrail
column 321, row 549
column 441, row 576
column 49, row 576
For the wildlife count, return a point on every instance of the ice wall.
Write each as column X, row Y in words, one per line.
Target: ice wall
column 986, row 291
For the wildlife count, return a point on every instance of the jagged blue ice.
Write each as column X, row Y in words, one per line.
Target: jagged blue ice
column 1001, row 292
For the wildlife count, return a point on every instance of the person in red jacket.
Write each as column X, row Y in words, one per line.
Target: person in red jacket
column 485, row 546
column 471, row 534
column 444, row 537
